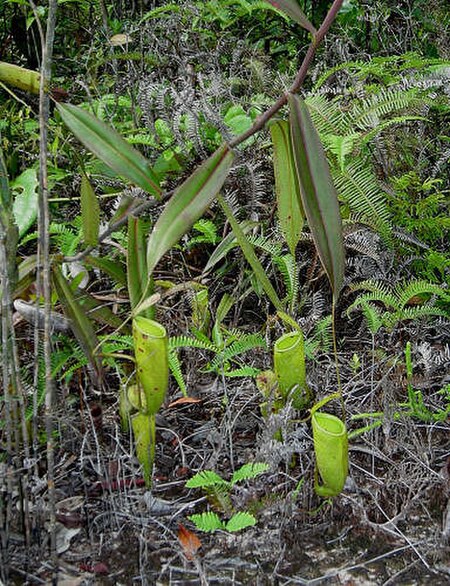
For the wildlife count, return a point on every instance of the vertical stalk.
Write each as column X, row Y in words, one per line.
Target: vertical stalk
column 44, row 285
column 6, row 501
column 338, row 374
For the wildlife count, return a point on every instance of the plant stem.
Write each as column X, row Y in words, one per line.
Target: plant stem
column 333, row 333
column 262, row 120
column 44, row 252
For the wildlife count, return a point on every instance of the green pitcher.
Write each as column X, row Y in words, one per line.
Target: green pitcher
column 290, row 369
column 331, row 450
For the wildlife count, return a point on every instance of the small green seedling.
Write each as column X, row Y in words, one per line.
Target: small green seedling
column 219, row 492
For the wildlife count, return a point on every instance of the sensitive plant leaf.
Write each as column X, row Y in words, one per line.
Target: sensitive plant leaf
column 250, row 470
column 204, row 479
column 187, row 204
column 137, row 261
column 189, row 542
column 207, row 522
column 292, row 9
column 318, row 193
column 80, row 323
column 240, row 521
column 25, row 206
column 250, row 255
column 110, row 147
column 90, row 212
column 290, row 211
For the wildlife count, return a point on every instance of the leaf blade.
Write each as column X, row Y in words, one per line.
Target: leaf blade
column 110, row 147
column 187, row 204
column 239, row 521
column 90, row 212
column 80, row 323
column 290, row 211
column 318, row 193
column 292, row 9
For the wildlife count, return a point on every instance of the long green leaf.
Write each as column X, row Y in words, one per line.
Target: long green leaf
column 112, row 268
column 250, row 255
column 318, row 193
column 8, row 225
column 290, row 211
column 292, row 9
column 110, row 147
column 90, row 212
column 79, row 322
column 137, row 261
column 187, row 204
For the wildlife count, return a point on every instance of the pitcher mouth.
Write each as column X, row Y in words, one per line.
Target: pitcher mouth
column 335, row 428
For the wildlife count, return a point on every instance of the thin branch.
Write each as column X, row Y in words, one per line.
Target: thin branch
column 44, row 284
column 262, row 120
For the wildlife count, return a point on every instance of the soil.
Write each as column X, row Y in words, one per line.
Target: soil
column 390, row 525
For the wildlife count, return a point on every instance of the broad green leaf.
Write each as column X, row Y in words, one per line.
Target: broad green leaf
column 112, row 268
column 290, row 211
column 292, row 9
column 110, row 147
column 137, row 261
column 240, row 521
column 79, row 322
column 318, row 193
column 90, row 212
column 250, row 255
column 25, row 206
column 187, row 204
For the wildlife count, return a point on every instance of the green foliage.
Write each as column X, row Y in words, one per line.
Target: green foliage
column 210, row 522
column 431, row 299
column 420, row 207
column 219, row 492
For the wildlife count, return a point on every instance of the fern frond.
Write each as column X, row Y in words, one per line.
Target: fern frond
column 327, row 115
column 247, row 471
column 406, row 291
column 359, row 188
column 373, row 316
column 413, row 313
column 245, row 371
column 289, row 270
column 368, row 113
column 183, row 341
column 271, row 246
column 246, row 343
column 175, row 369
